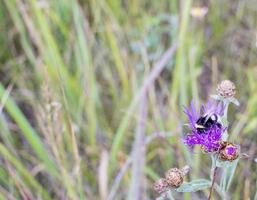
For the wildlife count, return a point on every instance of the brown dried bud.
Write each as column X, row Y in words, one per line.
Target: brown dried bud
column 226, row 89
column 160, row 185
column 228, row 151
column 174, row 177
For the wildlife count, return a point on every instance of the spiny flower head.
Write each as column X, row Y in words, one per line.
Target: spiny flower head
column 228, row 151
column 226, row 89
column 161, row 185
column 206, row 130
column 174, row 177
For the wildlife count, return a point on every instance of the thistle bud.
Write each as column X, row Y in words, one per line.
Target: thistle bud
column 174, row 177
column 228, row 151
column 226, row 89
column 160, row 185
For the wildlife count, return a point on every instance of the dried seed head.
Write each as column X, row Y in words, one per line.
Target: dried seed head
column 160, row 185
column 174, row 177
column 226, row 89
column 228, row 151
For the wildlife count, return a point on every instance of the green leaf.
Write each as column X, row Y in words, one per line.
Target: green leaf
column 230, row 99
column 216, row 97
column 229, row 169
column 166, row 196
column 194, row 186
column 222, row 163
column 234, row 101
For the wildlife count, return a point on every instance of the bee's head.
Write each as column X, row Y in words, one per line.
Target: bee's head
column 214, row 117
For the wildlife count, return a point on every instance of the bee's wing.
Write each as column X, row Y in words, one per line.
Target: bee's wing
column 199, row 126
column 208, row 116
column 187, row 125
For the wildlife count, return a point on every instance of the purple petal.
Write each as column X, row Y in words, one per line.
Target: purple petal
column 209, row 139
column 192, row 114
column 231, row 150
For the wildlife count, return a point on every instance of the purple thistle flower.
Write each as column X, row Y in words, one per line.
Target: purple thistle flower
column 209, row 135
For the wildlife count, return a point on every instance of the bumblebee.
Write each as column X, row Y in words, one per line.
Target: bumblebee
column 207, row 121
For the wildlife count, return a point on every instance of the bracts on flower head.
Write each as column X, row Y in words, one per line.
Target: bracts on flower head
column 226, row 89
column 160, row 185
column 228, row 151
column 173, row 179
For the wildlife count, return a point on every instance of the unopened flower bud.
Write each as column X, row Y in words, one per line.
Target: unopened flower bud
column 174, row 177
column 228, row 151
column 160, row 185
column 226, row 89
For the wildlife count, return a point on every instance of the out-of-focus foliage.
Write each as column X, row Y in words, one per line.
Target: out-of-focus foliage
column 70, row 74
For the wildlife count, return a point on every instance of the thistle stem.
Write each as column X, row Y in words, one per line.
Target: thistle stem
column 213, row 181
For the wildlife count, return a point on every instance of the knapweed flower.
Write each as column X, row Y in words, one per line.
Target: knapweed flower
column 174, row 177
column 226, row 89
column 161, row 185
column 228, row 151
column 206, row 130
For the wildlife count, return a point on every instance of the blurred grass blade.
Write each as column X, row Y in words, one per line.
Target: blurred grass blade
column 29, row 133
column 150, row 79
column 86, row 68
column 27, row 176
column 181, row 57
column 26, row 44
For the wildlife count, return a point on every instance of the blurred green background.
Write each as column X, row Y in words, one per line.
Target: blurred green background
column 81, row 113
